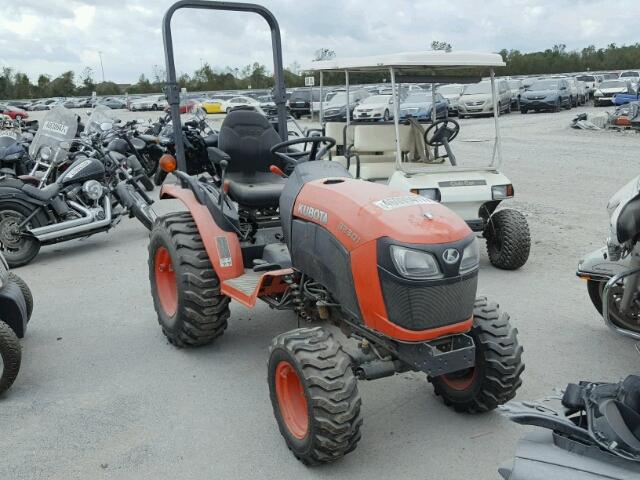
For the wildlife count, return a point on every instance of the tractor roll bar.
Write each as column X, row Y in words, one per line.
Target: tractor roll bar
column 173, row 95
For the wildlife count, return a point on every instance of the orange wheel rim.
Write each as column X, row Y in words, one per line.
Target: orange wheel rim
column 291, row 400
column 460, row 382
column 166, row 286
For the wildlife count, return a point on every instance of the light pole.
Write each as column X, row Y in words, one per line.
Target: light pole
column 101, row 66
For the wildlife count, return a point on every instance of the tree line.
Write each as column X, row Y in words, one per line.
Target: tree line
column 17, row 85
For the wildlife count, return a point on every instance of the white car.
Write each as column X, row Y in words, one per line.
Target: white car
column 607, row 89
column 375, row 107
column 592, row 82
column 239, row 102
column 152, row 102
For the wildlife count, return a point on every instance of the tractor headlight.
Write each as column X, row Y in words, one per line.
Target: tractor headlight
column 501, row 192
column 92, row 189
column 45, row 153
column 415, row 264
column 431, row 193
column 470, row 257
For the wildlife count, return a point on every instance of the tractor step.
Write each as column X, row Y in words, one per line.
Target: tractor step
column 247, row 287
column 246, row 283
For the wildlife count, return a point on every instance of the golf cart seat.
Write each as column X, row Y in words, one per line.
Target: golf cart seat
column 246, row 136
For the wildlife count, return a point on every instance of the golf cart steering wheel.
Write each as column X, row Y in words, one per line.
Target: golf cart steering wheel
column 439, row 131
column 313, row 154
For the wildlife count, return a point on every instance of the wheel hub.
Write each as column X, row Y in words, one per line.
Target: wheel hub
column 10, row 236
column 166, row 285
column 292, row 400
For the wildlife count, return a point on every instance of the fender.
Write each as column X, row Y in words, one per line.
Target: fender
column 11, row 194
column 212, row 235
column 14, row 308
column 597, row 266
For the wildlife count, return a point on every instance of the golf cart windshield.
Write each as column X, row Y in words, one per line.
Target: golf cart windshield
column 58, row 125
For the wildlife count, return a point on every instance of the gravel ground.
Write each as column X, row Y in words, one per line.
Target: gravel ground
column 102, row 395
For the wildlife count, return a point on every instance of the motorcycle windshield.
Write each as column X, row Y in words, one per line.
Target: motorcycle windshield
column 58, row 125
column 9, row 136
column 100, row 118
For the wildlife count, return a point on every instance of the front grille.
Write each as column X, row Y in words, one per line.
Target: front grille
column 422, row 307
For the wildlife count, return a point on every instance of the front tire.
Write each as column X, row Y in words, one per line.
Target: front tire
column 11, row 355
column 495, row 378
column 26, row 292
column 184, row 286
column 508, row 239
column 314, row 394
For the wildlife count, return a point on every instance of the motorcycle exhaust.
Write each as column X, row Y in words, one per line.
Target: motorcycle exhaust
column 75, row 226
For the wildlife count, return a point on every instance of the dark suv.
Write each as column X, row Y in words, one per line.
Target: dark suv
column 300, row 101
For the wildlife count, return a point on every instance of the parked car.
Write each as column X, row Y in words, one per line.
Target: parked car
column 476, row 99
column 375, row 107
column 41, row 105
column 111, row 102
column 242, row 101
column 300, row 102
column 607, row 89
column 574, row 90
column 517, row 89
column 546, row 94
column 419, row 105
column 630, row 75
column 591, row 81
column 152, row 102
column 212, row 106
column 336, row 109
column 624, row 98
column 185, row 105
column 18, row 103
column 452, row 93
column 14, row 112
column 267, row 105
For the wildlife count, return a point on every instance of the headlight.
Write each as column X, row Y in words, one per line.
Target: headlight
column 500, row 192
column 415, row 264
column 92, row 189
column 470, row 257
column 432, row 193
column 45, row 153
column 597, row 94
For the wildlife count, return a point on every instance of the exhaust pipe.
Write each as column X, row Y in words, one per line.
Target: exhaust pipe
column 78, row 225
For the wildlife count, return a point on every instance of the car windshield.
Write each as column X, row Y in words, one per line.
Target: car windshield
column 477, row 88
column 630, row 74
column 450, row 89
column 376, row 99
column 613, row 84
column 544, row 85
column 514, row 83
column 339, row 98
column 586, row 78
column 418, row 98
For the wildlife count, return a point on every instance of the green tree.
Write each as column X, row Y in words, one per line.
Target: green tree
column 108, row 88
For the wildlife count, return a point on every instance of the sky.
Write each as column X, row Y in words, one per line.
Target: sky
column 53, row 36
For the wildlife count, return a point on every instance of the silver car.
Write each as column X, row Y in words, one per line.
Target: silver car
column 477, row 99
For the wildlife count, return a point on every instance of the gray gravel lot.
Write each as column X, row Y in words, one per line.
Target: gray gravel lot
column 102, row 395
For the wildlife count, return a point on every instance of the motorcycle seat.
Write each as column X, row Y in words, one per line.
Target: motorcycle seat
column 211, row 140
column 256, row 190
column 43, row 194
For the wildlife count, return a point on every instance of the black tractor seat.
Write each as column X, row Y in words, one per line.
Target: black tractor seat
column 247, row 137
column 255, row 190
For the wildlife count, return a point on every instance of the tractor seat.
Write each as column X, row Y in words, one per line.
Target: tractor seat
column 255, row 190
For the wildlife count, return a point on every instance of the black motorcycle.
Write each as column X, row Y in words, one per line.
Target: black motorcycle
column 88, row 197
column 14, row 143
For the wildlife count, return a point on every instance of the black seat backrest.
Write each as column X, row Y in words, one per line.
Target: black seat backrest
column 247, row 138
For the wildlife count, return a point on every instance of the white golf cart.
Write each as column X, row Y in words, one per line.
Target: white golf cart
column 413, row 152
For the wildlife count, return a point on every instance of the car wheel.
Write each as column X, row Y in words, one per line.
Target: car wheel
column 154, row 107
column 523, row 110
column 386, row 117
column 558, row 105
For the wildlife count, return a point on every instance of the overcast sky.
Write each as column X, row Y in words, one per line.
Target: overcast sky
column 53, row 36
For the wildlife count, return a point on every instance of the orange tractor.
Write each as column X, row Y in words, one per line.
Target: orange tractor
column 395, row 272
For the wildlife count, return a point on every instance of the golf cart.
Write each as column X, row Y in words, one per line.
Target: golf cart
column 416, row 156
column 387, row 277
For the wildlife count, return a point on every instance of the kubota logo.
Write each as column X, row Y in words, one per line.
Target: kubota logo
column 313, row 213
column 451, row 255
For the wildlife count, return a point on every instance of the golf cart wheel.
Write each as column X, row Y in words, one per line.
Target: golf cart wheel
column 10, row 355
column 26, row 292
column 184, row 285
column 495, row 377
column 508, row 239
column 314, row 395
column 17, row 249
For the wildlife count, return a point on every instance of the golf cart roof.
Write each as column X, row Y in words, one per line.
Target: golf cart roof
column 405, row 61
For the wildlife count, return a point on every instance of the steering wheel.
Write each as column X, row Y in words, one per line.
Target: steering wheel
column 439, row 131
column 313, row 154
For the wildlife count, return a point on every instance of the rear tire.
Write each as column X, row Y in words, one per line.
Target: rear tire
column 508, row 239
column 495, row 377
column 184, row 285
column 314, row 394
column 17, row 250
column 26, row 292
column 11, row 354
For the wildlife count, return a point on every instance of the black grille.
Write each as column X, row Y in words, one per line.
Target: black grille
column 423, row 307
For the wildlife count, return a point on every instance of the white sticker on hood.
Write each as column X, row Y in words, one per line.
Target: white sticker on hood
column 392, row 203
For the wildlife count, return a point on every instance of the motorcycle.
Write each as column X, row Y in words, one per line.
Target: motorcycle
column 88, row 196
column 592, row 430
column 613, row 272
column 14, row 142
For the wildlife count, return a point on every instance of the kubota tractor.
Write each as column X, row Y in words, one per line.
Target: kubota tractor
column 396, row 272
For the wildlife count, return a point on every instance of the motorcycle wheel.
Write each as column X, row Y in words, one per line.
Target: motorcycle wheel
column 10, row 356
column 17, row 249
column 628, row 321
